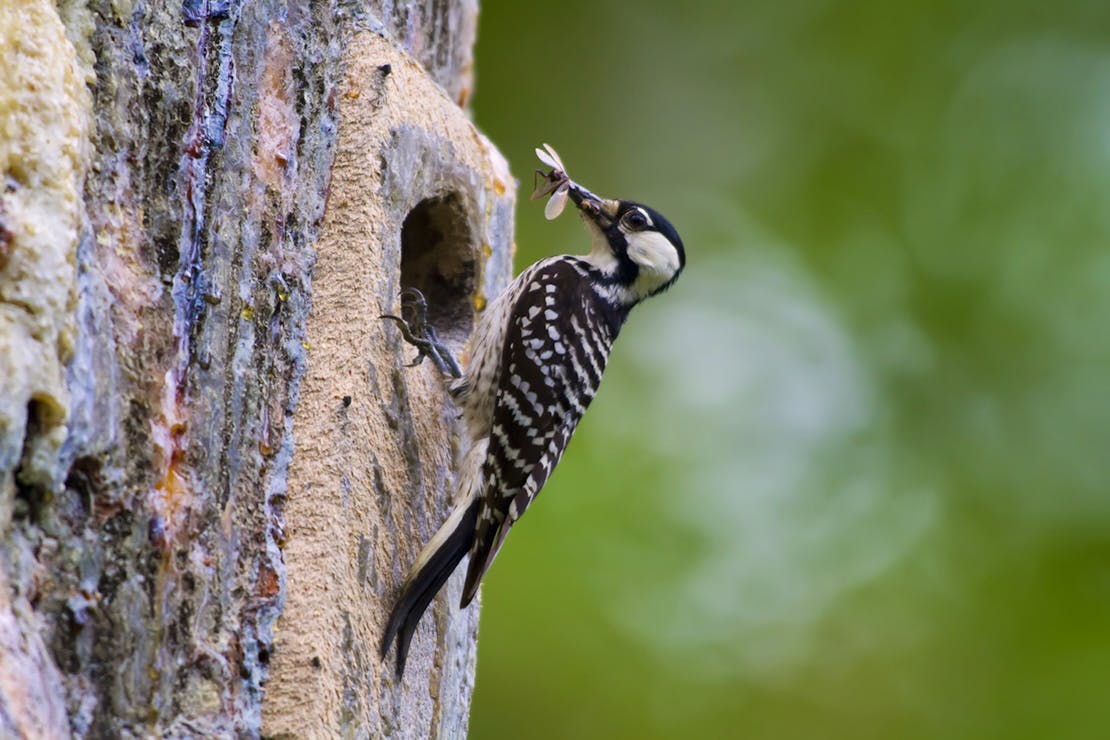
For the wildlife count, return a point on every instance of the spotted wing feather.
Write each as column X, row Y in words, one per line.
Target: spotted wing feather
column 552, row 360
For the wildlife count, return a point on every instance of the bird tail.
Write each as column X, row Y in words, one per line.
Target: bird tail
column 432, row 568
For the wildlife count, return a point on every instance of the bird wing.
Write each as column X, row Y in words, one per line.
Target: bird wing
column 552, row 359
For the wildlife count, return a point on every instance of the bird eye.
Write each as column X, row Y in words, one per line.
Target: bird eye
column 635, row 219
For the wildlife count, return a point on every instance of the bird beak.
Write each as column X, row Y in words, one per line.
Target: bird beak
column 599, row 210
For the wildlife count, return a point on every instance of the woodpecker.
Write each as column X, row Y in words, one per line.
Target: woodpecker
column 537, row 356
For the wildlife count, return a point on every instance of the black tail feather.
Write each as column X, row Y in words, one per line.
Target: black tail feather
column 422, row 586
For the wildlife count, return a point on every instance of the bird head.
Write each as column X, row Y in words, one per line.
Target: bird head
column 632, row 243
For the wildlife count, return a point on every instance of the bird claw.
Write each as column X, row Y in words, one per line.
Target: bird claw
column 420, row 334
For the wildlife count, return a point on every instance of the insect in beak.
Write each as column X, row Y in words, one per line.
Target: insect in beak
column 558, row 185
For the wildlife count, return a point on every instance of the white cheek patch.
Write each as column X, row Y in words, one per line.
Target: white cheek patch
column 653, row 252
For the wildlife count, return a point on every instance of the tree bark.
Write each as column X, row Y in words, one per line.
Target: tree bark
column 214, row 469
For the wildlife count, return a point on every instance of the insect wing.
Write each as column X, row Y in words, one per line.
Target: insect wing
column 557, row 203
column 550, row 157
column 546, row 159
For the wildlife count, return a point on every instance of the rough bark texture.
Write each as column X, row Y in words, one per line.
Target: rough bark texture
column 213, row 470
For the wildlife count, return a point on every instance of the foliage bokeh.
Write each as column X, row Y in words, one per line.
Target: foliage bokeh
column 849, row 478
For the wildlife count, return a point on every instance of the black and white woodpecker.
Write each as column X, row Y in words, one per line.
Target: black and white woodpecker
column 537, row 356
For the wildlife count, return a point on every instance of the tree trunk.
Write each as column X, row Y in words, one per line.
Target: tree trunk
column 214, row 469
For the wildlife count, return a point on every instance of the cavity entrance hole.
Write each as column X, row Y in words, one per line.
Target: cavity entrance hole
column 438, row 259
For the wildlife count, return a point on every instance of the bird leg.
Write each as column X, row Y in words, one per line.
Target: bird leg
column 420, row 334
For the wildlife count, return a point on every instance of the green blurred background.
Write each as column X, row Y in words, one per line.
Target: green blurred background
column 850, row 478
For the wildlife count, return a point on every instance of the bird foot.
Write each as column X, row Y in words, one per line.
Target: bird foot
column 416, row 330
